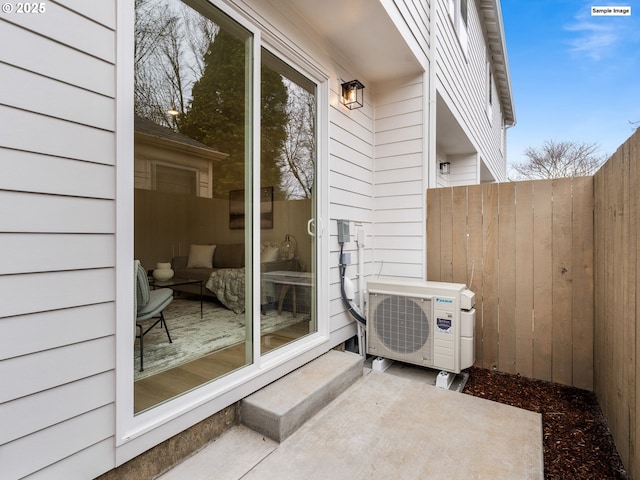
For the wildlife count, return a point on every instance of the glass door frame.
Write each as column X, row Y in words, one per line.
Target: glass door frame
column 320, row 203
column 161, row 422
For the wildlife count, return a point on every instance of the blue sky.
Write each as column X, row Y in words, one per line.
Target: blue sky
column 574, row 76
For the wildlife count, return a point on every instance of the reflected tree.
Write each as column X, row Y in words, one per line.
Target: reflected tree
column 187, row 63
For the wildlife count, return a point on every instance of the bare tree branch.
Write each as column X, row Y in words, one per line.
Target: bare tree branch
column 558, row 159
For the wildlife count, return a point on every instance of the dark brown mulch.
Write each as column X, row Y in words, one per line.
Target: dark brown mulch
column 577, row 441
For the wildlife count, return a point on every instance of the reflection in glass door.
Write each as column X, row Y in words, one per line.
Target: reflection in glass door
column 192, row 162
column 288, row 170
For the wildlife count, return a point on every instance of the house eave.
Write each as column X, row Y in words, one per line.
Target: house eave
column 362, row 31
column 491, row 12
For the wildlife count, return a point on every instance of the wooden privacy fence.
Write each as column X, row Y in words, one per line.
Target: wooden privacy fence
column 617, row 298
column 526, row 250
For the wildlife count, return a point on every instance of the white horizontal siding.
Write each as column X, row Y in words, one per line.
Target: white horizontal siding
column 44, row 409
column 90, row 462
column 399, row 161
column 351, row 192
column 54, row 213
column 57, row 224
column 103, row 12
column 400, row 178
column 28, row 253
column 415, row 26
column 25, row 132
column 40, row 94
column 32, row 172
column 41, row 55
column 39, row 292
column 37, row 451
column 54, row 329
column 415, row 243
column 51, row 368
column 77, row 28
column 462, row 83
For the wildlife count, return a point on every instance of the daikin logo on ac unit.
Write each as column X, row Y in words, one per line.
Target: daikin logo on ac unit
column 444, row 300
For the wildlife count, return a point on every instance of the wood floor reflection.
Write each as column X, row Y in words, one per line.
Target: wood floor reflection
column 163, row 386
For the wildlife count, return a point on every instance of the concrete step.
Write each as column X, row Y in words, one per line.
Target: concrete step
column 280, row 408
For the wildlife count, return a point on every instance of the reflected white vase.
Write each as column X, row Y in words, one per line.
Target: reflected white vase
column 163, row 272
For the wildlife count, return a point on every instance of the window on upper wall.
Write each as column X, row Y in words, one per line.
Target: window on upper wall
column 489, row 91
column 459, row 14
column 463, row 12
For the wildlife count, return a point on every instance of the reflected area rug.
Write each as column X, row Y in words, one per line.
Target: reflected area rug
column 194, row 337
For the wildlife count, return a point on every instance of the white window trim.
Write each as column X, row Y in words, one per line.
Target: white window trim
column 489, row 92
column 461, row 30
column 136, row 434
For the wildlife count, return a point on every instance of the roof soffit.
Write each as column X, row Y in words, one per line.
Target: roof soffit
column 491, row 12
column 362, row 31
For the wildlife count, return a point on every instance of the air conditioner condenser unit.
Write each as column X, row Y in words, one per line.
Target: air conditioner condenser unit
column 423, row 323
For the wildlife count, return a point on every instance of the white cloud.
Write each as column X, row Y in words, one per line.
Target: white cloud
column 595, row 37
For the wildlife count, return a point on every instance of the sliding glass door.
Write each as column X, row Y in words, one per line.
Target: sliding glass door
column 196, row 166
column 193, row 183
column 288, row 172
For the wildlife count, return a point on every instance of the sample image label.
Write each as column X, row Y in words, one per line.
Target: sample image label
column 611, row 11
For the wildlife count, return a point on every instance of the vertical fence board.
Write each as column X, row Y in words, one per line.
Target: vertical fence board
column 582, row 286
column 446, row 236
column 599, row 253
column 542, row 312
column 562, row 278
column 490, row 338
column 459, row 234
column 506, row 277
column 433, row 234
column 633, row 464
column 524, row 279
column 617, row 339
column 475, row 265
column 628, row 360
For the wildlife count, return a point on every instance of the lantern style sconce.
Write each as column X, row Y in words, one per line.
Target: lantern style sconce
column 353, row 94
column 445, row 168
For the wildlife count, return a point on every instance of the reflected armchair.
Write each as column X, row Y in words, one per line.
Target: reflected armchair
column 149, row 304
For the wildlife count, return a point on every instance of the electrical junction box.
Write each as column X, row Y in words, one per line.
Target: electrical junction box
column 343, row 231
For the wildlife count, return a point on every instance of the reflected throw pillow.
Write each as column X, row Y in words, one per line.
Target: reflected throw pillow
column 201, row 256
column 269, row 253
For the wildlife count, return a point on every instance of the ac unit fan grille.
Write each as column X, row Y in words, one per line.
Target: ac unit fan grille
column 401, row 324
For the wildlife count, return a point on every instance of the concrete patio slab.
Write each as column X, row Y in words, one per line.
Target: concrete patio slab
column 387, row 426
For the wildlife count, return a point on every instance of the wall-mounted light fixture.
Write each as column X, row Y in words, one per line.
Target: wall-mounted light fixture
column 353, row 94
column 445, row 168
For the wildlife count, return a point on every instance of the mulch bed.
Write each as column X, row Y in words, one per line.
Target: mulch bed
column 577, row 441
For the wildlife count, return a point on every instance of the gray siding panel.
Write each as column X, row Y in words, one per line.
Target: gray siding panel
column 38, row 173
column 53, row 368
column 400, row 178
column 57, row 224
column 41, row 55
column 54, row 329
column 24, row 132
column 54, row 213
column 77, row 29
column 39, row 292
column 48, row 408
column 45, row 447
column 40, row 94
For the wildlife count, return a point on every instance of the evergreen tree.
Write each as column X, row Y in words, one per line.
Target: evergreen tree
column 218, row 114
